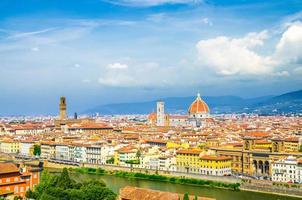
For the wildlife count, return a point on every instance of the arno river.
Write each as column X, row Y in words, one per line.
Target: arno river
column 115, row 183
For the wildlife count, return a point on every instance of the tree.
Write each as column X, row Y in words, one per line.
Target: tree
column 186, row 196
column 62, row 187
column 37, row 150
column 98, row 192
column 64, row 180
column 110, row 161
column 195, row 197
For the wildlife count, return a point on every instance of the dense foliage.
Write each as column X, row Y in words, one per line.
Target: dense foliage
column 60, row 187
column 133, row 162
column 156, row 177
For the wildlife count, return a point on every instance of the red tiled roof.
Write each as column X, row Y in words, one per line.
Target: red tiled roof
column 8, row 168
column 198, row 106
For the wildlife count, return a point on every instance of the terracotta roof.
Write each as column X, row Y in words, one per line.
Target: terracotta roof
column 6, row 168
column 134, row 193
column 198, row 106
column 206, row 157
column 152, row 116
column 257, row 134
column 189, row 151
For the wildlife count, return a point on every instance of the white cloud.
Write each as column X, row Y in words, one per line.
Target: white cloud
column 141, row 74
column 289, row 47
column 118, row 80
column 35, row 49
column 239, row 56
column 230, row 56
column 117, row 66
column 28, row 34
column 76, row 65
column 281, row 74
column 147, row 3
column 207, row 21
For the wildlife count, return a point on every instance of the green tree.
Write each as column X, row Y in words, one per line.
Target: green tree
column 62, row 187
column 110, row 161
column 186, row 196
column 98, row 192
column 37, row 150
column 195, row 197
column 64, row 180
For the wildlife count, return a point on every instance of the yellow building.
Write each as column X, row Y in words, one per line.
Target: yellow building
column 123, row 155
column 215, row 165
column 192, row 161
column 177, row 145
column 9, row 146
column 291, row 144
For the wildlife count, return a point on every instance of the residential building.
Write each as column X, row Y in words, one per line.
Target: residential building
column 16, row 181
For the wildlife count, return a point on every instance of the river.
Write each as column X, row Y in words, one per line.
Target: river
column 115, row 183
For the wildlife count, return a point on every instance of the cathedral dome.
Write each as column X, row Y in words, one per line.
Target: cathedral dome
column 152, row 116
column 198, row 106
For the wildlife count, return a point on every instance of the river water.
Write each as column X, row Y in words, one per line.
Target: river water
column 115, row 183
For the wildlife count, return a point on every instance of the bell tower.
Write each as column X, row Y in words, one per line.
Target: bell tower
column 62, row 108
column 160, row 113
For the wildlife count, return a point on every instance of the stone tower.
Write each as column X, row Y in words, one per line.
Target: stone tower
column 160, row 113
column 62, row 108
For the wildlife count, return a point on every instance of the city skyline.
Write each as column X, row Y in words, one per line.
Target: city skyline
column 98, row 52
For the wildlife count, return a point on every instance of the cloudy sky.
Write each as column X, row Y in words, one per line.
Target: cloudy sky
column 105, row 51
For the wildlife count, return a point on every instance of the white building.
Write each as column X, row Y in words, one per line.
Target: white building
column 62, row 152
column 48, row 150
column 78, row 153
column 25, row 148
column 288, row 170
column 93, row 154
column 167, row 163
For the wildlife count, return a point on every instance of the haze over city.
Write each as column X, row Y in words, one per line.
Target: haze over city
column 97, row 52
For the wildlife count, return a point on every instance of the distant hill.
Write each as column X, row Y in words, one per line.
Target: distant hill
column 286, row 103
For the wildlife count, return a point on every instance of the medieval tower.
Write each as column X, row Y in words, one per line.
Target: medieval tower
column 62, row 108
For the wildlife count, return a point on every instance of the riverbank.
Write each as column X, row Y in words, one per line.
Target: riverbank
column 272, row 193
column 115, row 183
column 157, row 177
column 260, row 190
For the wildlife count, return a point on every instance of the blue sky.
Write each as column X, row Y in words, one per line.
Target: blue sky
column 104, row 51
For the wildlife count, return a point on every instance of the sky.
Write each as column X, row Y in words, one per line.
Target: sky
column 97, row 52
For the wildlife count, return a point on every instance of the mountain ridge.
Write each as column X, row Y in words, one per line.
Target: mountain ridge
column 290, row 102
